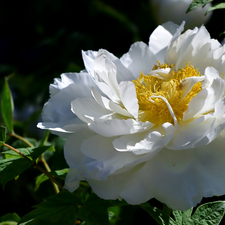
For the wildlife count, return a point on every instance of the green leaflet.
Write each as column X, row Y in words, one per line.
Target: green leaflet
column 158, row 215
column 42, row 177
column 183, row 217
column 9, row 219
column 197, row 3
column 2, row 134
column 15, row 164
column 12, row 167
column 60, row 209
column 216, row 6
column 95, row 210
column 7, row 106
column 207, row 214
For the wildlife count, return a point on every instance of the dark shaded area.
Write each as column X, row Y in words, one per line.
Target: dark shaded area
column 41, row 39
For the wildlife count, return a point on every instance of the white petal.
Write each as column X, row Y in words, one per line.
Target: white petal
column 129, row 97
column 220, row 107
column 145, row 143
column 115, row 127
column 192, row 47
column 191, row 135
column 123, row 185
column 61, row 129
column 110, row 105
column 71, row 181
column 57, row 112
column 70, row 78
column 88, row 58
column 205, row 100
column 83, row 107
column 123, row 74
column 182, row 178
column 161, row 73
column 139, row 58
column 188, row 83
column 160, row 39
column 105, row 73
column 101, row 157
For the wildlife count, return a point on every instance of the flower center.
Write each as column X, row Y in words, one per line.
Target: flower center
column 162, row 99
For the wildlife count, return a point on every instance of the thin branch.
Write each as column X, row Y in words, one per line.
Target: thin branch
column 42, row 159
column 22, row 139
column 18, row 152
column 36, row 166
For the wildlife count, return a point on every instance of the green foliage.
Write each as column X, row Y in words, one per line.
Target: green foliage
column 183, row 217
column 9, row 219
column 198, row 3
column 66, row 208
column 12, row 167
column 216, row 6
column 162, row 218
column 7, row 106
column 60, row 209
column 42, row 177
column 15, row 164
column 206, row 214
column 209, row 214
column 2, row 134
column 95, row 210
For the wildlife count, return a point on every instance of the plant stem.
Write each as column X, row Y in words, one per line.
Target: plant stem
column 18, row 152
column 42, row 159
column 22, row 139
column 37, row 166
column 48, row 175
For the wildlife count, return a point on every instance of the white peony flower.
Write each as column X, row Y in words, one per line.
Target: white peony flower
column 146, row 125
column 175, row 11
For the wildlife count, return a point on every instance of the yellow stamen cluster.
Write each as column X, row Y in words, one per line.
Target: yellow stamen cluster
column 156, row 111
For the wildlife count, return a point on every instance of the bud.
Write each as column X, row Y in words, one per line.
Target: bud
column 175, row 11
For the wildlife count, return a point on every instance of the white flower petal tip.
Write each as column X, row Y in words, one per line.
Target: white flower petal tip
column 147, row 125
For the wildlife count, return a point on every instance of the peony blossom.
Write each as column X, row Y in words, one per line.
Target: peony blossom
column 149, row 124
column 175, row 11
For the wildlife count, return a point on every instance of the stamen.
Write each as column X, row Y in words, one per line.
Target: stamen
column 172, row 91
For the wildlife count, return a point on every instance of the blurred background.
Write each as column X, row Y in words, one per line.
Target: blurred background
column 41, row 39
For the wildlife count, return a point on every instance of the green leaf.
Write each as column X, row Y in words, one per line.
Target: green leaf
column 113, row 213
column 2, row 134
column 118, row 203
column 39, row 180
column 216, row 6
column 7, row 106
column 10, row 217
column 8, row 223
column 197, row 3
column 21, row 144
column 183, row 217
column 222, row 34
column 36, row 152
column 60, row 209
column 12, row 167
column 158, row 215
column 42, row 177
column 209, row 213
column 95, row 210
column 60, row 173
column 11, row 153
